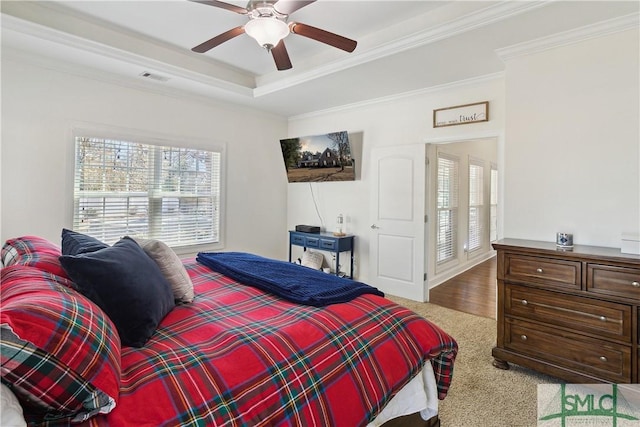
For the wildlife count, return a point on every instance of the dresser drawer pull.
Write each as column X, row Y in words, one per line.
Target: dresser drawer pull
column 523, row 337
column 539, row 270
column 603, row 318
column 603, row 359
column 635, row 284
column 525, row 302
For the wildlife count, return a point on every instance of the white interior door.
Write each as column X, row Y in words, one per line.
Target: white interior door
column 397, row 240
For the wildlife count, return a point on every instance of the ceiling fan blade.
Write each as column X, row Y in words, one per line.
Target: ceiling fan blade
column 323, row 36
column 223, row 5
column 287, row 7
column 281, row 56
column 219, row 39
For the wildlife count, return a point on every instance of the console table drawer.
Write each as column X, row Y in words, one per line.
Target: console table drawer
column 312, row 242
column 297, row 239
column 544, row 271
column 602, row 359
column 329, row 245
column 587, row 315
column 612, row 280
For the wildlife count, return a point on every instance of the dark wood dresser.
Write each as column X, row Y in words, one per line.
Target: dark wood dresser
column 569, row 314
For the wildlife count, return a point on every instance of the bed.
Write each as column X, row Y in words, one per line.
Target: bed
column 233, row 355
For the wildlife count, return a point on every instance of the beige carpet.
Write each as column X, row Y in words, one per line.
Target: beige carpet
column 481, row 395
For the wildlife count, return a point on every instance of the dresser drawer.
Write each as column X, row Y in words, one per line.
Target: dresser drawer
column 606, row 319
column 611, row 280
column 609, row 361
column 548, row 272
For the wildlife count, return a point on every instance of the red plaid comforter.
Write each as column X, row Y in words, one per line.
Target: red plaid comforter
column 239, row 357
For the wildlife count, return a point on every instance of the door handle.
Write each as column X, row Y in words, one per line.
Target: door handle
column 374, row 227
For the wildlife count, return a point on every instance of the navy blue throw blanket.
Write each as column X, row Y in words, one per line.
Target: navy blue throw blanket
column 293, row 282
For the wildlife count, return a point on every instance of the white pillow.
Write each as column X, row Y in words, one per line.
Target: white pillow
column 312, row 259
column 11, row 411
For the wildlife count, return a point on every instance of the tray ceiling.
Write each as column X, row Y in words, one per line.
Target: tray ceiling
column 403, row 46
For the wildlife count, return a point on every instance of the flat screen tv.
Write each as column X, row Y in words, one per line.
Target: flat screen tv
column 318, row 158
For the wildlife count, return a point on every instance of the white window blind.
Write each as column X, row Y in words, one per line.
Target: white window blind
column 476, row 204
column 493, row 226
column 129, row 188
column 447, row 207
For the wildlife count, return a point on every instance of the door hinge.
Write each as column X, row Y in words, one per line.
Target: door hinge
column 425, row 277
column 426, row 218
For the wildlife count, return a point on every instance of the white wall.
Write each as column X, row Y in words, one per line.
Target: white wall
column 570, row 153
column 572, row 157
column 41, row 106
column 568, row 146
column 398, row 121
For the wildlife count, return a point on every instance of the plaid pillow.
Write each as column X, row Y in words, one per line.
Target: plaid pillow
column 9, row 256
column 33, row 251
column 60, row 354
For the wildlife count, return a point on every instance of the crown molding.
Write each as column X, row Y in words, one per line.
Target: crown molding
column 21, row 27
column 201, row 85
column 221, row 99
column 404, row 95
column 486, row 16
column 489, row 15
column 569, row 37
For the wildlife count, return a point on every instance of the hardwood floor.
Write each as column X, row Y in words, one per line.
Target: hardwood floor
column 473, row 291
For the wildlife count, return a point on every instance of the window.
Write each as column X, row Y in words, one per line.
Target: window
column 476, row 204
column 130, row 188
column 447, row 206
column 493, row 225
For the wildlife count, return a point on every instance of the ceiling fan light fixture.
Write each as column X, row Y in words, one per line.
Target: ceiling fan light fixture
column 267, row 31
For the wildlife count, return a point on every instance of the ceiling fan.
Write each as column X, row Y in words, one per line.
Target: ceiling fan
column 268, row 26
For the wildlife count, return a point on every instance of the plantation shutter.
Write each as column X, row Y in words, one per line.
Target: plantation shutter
column 476, row 204
column 493, row 227
column 447, row 208
column 145, row 191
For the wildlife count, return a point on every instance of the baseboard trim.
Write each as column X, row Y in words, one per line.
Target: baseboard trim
column 443, row 277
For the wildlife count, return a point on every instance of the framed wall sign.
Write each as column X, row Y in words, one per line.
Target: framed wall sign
column 461, row 114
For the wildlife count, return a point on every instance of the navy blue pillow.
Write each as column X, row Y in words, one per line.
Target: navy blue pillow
column 127, row 284
column 74, row 243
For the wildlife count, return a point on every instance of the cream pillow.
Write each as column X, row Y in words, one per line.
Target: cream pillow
column 312, row 259
column 171, row 267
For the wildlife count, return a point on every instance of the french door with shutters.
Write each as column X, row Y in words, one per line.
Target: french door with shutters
column 464, row 208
